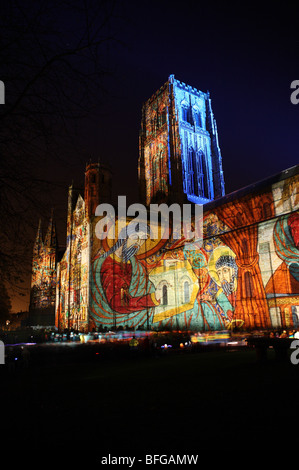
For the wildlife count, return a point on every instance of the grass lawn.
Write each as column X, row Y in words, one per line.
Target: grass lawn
column 175, row 402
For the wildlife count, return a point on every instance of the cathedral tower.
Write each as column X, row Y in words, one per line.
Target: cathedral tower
column 179, row 154
column 43, row 280
column 98, row 186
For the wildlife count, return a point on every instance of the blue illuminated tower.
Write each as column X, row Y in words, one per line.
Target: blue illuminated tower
column 179, row 154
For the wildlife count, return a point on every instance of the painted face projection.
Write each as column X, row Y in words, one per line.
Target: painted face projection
column 227, row 272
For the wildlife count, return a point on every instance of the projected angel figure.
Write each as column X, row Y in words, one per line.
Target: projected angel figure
column 124, row 295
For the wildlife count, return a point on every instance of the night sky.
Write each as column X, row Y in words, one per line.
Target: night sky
column 246, row 56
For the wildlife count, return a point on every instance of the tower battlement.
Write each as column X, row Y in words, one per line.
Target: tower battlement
column 98, row 186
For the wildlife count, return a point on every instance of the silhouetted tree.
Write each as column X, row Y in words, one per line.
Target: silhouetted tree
column 5, row 304
column 54, row 62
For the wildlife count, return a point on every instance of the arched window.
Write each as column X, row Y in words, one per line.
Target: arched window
column 185, row 113
column 190, row 116
column 198, row 119
column 197, row 116
column 186, row 292
column 203, row 177
column 153, row 124
column 197, row 174
column 194, row 172
column 164, row 295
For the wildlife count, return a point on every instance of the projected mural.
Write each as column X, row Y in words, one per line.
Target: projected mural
column 244, row 274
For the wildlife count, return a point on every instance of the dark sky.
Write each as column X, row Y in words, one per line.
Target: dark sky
column 245, row 55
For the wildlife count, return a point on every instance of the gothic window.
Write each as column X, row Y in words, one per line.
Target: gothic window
column 187, row 113
column 164, row 295
column 198, row 174
column 198, row 119
column 194, row 172
column 189, row 116
column 204, row 187
column 197, row 116
column 161, row 118
column 184, row 113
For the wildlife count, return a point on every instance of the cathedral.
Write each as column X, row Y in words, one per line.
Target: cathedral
column 242, row 273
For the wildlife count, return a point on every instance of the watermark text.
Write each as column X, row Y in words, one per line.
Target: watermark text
column 161, row 220
column 295, row 94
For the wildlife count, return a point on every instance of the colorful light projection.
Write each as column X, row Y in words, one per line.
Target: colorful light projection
column 245, row 273
column 43, row 280
column 72, row 273
column 179, row 155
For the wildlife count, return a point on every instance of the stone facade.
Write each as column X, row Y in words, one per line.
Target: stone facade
column 242, row 273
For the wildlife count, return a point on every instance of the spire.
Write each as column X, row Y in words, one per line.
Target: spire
column 38, row 245
column 50, row 238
